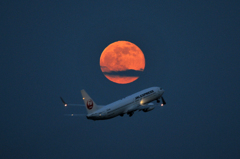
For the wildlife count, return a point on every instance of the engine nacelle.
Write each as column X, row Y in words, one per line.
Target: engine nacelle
column 148, row 109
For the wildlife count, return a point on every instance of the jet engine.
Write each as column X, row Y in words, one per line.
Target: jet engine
column 148, row 109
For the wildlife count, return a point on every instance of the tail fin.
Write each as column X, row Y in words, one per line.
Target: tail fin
column 90, row 105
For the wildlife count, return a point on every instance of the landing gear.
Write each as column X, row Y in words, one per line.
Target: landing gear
column 130, row 114
column 163, row 101
column 121, row 115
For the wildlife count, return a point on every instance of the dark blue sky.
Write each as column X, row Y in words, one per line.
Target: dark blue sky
column 52, row 48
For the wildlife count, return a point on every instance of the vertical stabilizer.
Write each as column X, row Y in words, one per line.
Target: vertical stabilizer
column 90, row 105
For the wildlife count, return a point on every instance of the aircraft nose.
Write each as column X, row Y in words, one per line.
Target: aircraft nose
column 161, row 91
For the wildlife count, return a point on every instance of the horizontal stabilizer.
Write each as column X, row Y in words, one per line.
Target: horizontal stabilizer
column 78, row 105
column 75, row 115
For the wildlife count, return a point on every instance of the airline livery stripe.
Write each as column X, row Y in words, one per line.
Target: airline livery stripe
column 142, row 95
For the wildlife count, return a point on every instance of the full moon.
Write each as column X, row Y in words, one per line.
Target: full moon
column 122, row 61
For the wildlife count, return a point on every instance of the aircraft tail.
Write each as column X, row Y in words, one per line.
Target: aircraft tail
column 90, row 105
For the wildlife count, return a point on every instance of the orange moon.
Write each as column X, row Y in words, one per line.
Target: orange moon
column 122, row 61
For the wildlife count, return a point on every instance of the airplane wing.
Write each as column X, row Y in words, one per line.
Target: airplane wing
column 66, row 104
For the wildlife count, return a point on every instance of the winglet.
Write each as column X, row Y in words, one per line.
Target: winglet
column 65, row 104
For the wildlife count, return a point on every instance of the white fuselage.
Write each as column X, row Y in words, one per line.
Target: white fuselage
column 128, row 104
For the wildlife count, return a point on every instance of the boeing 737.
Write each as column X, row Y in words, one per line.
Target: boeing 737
column 138, row 101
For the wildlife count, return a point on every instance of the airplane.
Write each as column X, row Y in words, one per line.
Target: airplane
column 138, row 101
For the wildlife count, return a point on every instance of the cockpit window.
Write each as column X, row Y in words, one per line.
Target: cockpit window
column 160, row 88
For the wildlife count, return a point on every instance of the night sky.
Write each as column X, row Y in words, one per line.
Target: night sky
column 52, row 48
